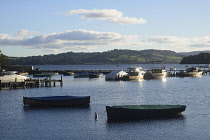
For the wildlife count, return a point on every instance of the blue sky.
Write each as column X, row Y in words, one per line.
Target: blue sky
column 39, row 27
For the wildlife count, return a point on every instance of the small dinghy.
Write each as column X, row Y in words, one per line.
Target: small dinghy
column 143, row 111
column 57, row 101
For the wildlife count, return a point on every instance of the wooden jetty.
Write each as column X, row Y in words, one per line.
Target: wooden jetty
column 106, row 71
column 47, row 82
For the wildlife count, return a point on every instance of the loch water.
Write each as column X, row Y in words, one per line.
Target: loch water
column 24, row 123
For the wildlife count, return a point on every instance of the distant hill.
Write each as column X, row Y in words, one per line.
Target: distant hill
column 193, row 53
column 108, row 57
column 202, row 58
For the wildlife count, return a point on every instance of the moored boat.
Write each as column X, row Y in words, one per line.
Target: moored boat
column 68, row 73
column 43, row 75
column 135, row 73
column 156, row 71
column 81, row 75
column 23, row 73
column 116, row 75
column 192, row 72
column 11, row 76
column 124, row 112
column 95, row 75
column 57, row 101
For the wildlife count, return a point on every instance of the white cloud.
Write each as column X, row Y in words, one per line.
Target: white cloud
column 111, row 15
column 201, row 45
column 168, row 39
column 183, row 43
column 71, row 39
column 96, row 13
column 180, row 40
column 25, row 33
column 82, row 40
column 127, row 20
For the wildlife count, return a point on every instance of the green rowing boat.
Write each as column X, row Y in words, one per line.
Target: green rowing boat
column 122, row 112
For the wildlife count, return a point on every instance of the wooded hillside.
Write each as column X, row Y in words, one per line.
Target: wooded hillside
column 202, row 58
column 108, row 57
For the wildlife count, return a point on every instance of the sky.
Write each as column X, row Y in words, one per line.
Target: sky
column 42, row 27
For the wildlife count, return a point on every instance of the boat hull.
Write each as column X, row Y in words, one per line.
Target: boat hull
column 13, row 78
column 116, row 75
column 81, row 75
column 136, row 77
column 193, row 74
column 57, row 101
column 95, row 75
column 158, row 75
column 135, row 73
column 134, row 112
column 42, row 75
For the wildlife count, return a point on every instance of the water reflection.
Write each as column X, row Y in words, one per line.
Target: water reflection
column 148, row 129
column 18, row 122
column 166, row 118
column 56, row 112
column 163, row 80
column 31, row 108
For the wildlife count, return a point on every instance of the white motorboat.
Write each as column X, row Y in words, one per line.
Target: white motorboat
column 82, row 75
column 135, row 73
column 193, row 72
column 11, row 76
column 116, row 75
column 156, row 72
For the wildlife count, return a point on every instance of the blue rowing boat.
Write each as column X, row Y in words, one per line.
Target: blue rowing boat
column 57, row 101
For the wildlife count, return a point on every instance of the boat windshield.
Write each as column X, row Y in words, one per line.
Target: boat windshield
column 7, row 73
column 138, row 69
column 157, row 70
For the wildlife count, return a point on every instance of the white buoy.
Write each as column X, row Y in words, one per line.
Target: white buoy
column 96, row 116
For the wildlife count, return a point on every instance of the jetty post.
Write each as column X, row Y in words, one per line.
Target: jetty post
column 38, row 82
column 61, row 82
column 50, row 81
column 24, row 84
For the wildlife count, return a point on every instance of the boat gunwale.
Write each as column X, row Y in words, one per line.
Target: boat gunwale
column 138, row 114
column 56, row 98
column 81, row 101
column 129, row 107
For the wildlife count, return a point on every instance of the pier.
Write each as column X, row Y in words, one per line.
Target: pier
column 104, row 71
column 171, row 72
column 47, row 82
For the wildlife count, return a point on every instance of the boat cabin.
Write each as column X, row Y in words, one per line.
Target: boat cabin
column 192, row 69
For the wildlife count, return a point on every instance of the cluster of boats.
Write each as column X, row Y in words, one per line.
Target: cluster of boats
column 45, row 74
column 132, row 73
column 12, row 76
column 87, row 75
column 137, row 73
column 191, row 72
column 119, row 112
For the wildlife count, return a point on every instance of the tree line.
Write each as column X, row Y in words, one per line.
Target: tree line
column 202, row 58
column 3, row 60
column 109, row 57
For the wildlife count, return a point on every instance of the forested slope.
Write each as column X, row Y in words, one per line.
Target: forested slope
column 108, row 57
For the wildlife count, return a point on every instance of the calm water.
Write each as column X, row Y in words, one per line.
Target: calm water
column 96, row 67
column 21, row 123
